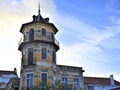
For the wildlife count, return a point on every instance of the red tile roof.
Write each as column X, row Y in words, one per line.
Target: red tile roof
column 99, row 81
column 7, row 72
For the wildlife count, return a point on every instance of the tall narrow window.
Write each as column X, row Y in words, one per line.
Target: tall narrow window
column 54, row 56
column 31, row 34
column 30, row 56
column 52, row 36
column 29, row 80
column 44, row 79
column 43, row 31
column 44, row 53
column 76, row 84
column 64, row 83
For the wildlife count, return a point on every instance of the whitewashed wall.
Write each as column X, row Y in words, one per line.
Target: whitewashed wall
column 96, row 87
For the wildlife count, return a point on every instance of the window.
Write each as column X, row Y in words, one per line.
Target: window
column 64, row 83
column 76, row 84
column 52, row 36
column 44, row 79
column 44, row 53
column 29, row 80
column 30, row 56
column 31, row 34
column 90, row 88
column 43, row 31
column 54, row 56
column 16, row 88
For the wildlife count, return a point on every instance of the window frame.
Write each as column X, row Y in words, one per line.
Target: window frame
column 33, row 34
column 64, row 83
column 43, row 53
column 28, row 55
column 43, row 31
column 46, row 74
column 76, row 82
column 53, row 56
column 28, row 86
column 91, row 86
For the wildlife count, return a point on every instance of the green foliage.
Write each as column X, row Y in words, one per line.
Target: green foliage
column 58, row 86
column 70, row 87
column 41, row 87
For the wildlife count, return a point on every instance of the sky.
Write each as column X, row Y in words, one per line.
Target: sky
column 89, row 33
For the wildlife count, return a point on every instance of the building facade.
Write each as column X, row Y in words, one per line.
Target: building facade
column 38, row 63
column 100, row 83
column 5, row 76
column 13, row 84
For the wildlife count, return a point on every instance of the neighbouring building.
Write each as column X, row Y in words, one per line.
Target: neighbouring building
column 118, row 88
column 13, row 84
column 5, row 76
column 100, row 83
column 38, row 63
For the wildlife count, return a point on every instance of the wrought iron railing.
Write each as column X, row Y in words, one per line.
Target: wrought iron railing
column 42, row 38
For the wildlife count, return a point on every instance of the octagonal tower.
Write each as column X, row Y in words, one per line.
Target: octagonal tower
column 38, row 47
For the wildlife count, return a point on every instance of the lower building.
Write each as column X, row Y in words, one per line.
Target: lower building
column 59, row 77
column 13, row 84
column 70, row 76
column 100, row 83
column 5, row 76
column 118, row 88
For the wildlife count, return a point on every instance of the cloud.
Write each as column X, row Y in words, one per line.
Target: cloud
column 89, row 45
column 13, row 14
column 86, row 45
column 19, row 12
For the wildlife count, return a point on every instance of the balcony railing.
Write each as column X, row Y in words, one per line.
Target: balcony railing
column 41, row 38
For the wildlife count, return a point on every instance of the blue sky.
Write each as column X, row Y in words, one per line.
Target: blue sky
column 89, row 32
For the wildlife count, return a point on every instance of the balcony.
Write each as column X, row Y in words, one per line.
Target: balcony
column 40, row 38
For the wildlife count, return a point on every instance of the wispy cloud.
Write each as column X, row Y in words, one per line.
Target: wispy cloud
column 13, row 14
column 89, row 45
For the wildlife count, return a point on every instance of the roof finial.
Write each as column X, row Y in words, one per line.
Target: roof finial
column 39, row 9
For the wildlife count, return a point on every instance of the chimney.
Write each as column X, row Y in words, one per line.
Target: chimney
column 15, row 70
column 34, row 18
column 112, row 80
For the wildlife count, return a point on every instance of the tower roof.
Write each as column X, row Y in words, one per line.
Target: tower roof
column 39, row 19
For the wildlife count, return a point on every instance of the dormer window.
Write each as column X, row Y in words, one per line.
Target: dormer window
column 43, row 31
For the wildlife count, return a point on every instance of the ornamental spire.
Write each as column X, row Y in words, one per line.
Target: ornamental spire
column 39, row 18
column 39, row 9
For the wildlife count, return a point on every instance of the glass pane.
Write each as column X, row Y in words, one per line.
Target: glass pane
column 31, row 34
column 44, row 79
column 43, row 31
column 44, row 56
column 90, row 88
column 30, row 56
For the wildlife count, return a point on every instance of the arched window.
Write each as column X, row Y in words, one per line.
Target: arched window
column 43, row 31
column 31, row 34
